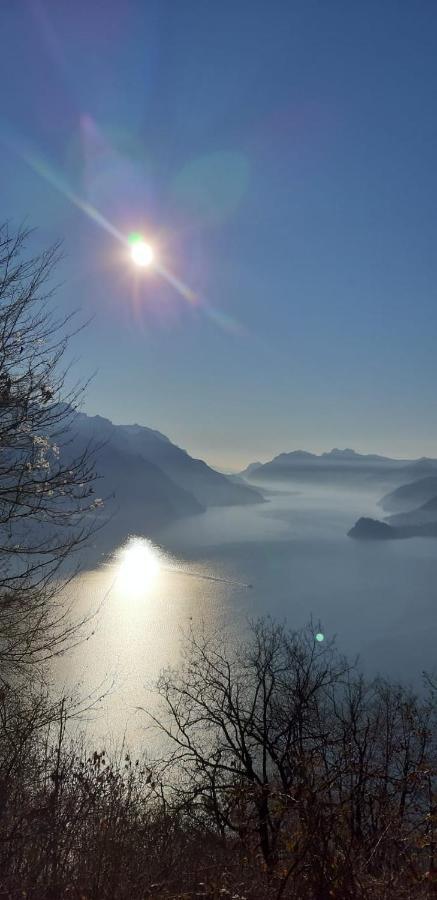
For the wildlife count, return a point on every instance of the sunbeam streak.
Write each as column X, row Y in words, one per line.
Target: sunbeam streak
column 141, row 253
column 43, row 169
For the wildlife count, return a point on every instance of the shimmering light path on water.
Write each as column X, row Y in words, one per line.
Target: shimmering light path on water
column 295, row 552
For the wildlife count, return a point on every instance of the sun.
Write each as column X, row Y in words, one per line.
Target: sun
column 142, row 253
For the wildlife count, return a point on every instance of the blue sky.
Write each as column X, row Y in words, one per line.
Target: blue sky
column 282, row 158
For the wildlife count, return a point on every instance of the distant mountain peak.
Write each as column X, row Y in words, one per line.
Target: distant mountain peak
column 347, row 453
column 295, row 454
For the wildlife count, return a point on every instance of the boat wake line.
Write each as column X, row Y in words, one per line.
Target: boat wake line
column 242, row 584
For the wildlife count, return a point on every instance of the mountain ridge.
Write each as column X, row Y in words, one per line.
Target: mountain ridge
column 410, row 496
column 338, row 464
column 149, row 481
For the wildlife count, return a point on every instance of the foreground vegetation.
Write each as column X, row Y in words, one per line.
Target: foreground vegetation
column 283, row 773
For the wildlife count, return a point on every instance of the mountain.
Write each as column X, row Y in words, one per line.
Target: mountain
column 422, row 466
column 430, row 505
column 348, row 455
column 138, row 495
column 295, row 456
column 210, row 488
column 410, row 496
column 371, row 529
column 337, row 467
column 148, row 481
column 423, row 515
column 416, row 503
column 334, row 467
column 250, row 469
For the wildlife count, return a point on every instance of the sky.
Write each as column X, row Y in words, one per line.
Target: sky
column 281, row 158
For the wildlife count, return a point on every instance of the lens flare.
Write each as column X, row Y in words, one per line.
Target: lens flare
column 142, row 254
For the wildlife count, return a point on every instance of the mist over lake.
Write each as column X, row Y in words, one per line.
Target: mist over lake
column 376, row 598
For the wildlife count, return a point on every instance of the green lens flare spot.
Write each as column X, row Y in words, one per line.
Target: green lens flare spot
column 320, row 637
column 135, row 237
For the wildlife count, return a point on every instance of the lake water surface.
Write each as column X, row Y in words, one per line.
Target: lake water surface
column 377, row 598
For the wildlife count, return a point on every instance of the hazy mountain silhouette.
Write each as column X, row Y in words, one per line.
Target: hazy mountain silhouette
column 144, row 497
column 348, row 455
column 148, row 481
column 421, row 467
column 423, row 515
column 210, row 488
column 417, row 505
column 249, row 469
column 372, row 529
column 410, row 496
column 338, row 467
column 333, row 467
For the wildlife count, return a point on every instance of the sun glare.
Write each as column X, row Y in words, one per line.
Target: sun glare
column 142, row 254
column 139, row 566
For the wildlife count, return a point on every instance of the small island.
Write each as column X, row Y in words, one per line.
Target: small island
column 367, row 529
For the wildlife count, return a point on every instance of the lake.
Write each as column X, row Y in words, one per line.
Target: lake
column 376, row 598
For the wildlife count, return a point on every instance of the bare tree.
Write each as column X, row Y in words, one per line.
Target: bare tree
column 244, row 724
column 279, row 742
column 291, row 777
column 46, row 491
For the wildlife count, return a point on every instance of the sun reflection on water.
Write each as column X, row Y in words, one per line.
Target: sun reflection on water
column 142, row 600
column 139, row 567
